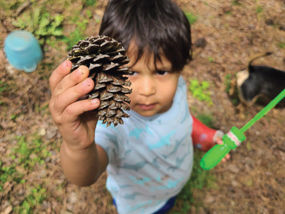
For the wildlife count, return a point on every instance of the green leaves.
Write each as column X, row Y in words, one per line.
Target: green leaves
column 28, row 154
column 36, row 196
column 41, row 24
column 8, row 173
column 200, row 91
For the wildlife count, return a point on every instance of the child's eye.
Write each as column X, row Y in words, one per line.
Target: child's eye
column 161, row 72
column 132, row 73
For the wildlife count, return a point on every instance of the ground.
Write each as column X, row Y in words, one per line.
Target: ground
column 252, row 181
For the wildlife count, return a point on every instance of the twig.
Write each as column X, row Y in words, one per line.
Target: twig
column 22, row 8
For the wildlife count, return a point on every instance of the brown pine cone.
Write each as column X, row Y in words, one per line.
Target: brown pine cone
column 106, row 59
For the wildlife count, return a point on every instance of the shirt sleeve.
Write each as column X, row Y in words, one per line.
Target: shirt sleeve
column 107, row 139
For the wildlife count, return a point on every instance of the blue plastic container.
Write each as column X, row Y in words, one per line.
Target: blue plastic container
column 23, row 50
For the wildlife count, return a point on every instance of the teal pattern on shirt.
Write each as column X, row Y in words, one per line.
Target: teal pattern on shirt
column 150, row 158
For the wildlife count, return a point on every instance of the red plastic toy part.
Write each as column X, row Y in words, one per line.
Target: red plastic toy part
column 204, row 137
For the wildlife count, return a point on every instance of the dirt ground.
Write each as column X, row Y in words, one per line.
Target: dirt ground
column 252, row 181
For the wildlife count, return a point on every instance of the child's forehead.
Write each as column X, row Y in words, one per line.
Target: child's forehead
column 147, row 58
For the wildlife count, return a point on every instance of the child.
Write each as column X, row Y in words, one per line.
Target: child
column 150, row 157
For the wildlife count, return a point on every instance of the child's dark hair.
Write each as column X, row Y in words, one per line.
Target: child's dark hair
column 158, row 25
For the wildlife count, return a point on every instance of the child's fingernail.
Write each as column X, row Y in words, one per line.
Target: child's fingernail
column 95, row 101
column 80, row 70
column 87, row 82
column 66, row 63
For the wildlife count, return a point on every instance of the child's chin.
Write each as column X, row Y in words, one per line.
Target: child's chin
column 146, row 113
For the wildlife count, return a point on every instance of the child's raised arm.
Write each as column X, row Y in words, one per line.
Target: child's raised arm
column 82, row 160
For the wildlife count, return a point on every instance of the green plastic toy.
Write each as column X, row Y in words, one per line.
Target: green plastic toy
column 234, row 137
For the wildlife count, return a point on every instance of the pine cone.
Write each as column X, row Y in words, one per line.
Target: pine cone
column 105, row 58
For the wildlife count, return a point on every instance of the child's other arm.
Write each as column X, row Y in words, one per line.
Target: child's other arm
column 82, row 160
column 204, row 137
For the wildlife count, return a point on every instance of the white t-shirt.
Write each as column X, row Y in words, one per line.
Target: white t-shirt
column 150, row 158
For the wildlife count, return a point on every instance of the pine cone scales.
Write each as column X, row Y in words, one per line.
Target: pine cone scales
column 105, row 58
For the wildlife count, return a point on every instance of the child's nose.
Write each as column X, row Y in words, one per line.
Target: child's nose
column 147, row 86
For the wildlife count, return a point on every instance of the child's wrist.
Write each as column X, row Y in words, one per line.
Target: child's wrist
column 77, row 148
column 218, row 134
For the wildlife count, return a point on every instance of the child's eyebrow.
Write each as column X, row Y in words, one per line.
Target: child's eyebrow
column 163, row 68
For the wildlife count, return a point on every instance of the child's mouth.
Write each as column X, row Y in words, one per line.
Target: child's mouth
column 146, row 107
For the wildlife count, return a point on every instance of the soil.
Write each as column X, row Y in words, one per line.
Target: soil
column 252, row 181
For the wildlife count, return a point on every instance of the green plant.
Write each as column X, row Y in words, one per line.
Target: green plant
column 236, row 2
column 78, row 33
column 9, row 6
column 89, row 14
column 227, row 82
column 73, row 38
column 233, row 95
column 259, row 9
column 281, row 44
column 28, row 154
column 36, row 196
column 191, row 17
column 3, row 86
column 89, row 2
column 39, row 22
column 9, row 173
column 200, row 91
column 206, row 119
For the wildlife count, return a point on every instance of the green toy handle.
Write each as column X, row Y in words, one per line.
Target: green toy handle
column 214, row 156
column 234, row 137
column 230, row 141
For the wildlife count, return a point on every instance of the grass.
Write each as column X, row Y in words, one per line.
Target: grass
column 36, row 196
column 281, row 44
column 25, row 155
column 259, row 9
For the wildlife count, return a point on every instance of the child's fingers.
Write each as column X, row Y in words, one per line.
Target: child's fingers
column 59, row 73
column 72, row 94
column 227, row 156
column 72, row 79
column 219, row 140
column 72, row 111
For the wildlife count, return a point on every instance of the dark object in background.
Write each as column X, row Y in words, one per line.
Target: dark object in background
column 105, row 58
column 200, row 43
column 259, row 81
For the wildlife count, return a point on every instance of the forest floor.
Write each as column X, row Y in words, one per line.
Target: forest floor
column 225, row 35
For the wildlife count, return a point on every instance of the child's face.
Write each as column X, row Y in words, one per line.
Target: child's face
column 153, row 90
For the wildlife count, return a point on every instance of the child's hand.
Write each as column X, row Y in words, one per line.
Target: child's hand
column 219, row 140
column 72, row 116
